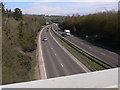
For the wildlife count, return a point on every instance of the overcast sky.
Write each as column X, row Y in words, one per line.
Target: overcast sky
column 59, row 7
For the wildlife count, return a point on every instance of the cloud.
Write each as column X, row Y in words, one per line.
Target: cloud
column 93, row 0
column 60, row 0
column 55, row 10
column 50, row 0
column 42, row 10
column 47, row 10
column 65, row 8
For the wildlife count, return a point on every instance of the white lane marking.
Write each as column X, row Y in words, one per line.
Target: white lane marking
column 102, row 53
column 62, row 65
column 112, row 53
column 90, row 47
column 74, row 58
column 55, row 54
column 41, row 59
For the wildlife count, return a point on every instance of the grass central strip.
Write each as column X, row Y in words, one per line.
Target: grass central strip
column 94, row 65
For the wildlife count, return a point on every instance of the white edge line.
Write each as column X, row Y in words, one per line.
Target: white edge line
column 62, row 65
column 75, row 59
column 42, row 67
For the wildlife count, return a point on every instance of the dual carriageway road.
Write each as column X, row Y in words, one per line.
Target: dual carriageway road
column 59, row 62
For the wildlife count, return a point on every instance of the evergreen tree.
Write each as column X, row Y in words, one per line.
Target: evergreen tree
column 3, row 7
column 17, row 14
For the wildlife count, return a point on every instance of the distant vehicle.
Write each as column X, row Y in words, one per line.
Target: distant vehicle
column 56, row 24
column 66, row 33
column 44, row 39
column 47, row 23
column 47, row 27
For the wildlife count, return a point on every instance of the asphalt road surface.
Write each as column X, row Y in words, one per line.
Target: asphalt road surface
column 57, row 61
column 105, row 55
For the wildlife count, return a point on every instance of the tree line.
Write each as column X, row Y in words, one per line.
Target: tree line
column 101, row 27
column 17, row 13
column 19, row 36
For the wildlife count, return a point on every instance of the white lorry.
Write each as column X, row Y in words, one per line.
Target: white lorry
column 67, row 32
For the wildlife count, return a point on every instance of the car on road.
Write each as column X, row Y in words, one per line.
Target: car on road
column 47, row 27
column 63, row 34
column 44, row 39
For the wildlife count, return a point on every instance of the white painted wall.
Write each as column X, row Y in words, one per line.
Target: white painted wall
column 98, row 79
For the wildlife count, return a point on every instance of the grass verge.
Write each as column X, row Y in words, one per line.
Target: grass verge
column 94, row 65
